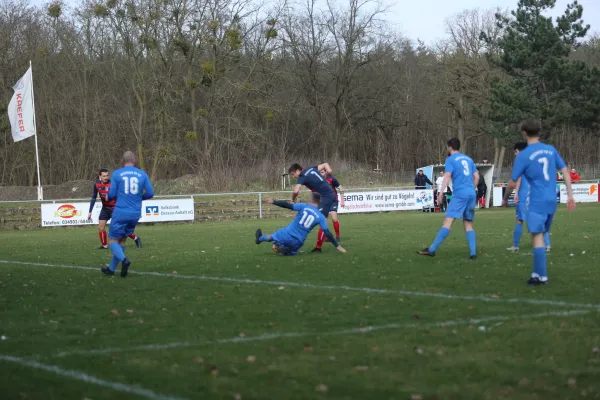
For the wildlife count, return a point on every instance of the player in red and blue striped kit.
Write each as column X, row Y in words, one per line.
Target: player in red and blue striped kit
column 336, row 186
column 101, row 188
column 312, row 179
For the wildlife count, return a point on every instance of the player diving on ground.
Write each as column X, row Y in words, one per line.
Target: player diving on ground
column 290, row 239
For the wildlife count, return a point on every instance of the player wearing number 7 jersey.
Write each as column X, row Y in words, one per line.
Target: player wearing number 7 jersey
column 129, row 186
column 461, row 169
column 291, row 238
column 538, row 164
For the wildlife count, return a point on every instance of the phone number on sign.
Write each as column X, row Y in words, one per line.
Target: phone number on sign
column 68, row 222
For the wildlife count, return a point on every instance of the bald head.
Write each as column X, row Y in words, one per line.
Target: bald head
column 129, row 158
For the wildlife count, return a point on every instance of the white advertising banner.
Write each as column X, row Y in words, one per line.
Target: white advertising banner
column 70, row 214
column 582, row 192
column 399, row 200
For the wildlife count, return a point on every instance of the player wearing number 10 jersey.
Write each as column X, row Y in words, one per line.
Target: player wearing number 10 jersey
column 461, row 169
column 291, row 238
column 129, row 186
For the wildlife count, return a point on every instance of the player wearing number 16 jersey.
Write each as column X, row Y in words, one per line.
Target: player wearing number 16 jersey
column 291, row 238
column 101, row 188
column 461, row 169
column 129, row 186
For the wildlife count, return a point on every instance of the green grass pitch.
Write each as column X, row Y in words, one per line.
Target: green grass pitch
column 208, row 314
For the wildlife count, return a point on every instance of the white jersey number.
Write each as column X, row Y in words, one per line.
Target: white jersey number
column 307, row 220
column 313, row 172
column 465, row 165
column 544, row 162
column 131, row 185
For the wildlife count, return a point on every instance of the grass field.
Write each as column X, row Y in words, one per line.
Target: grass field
column 207, row 314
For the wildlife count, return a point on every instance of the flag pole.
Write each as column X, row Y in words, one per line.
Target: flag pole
column 37, row 153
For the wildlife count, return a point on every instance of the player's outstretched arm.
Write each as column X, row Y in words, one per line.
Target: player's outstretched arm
column 328, row 235
column 282, row 204
column 296, row 192
column 326, row 167
column 93, row 202
column 567, row 180
column 148, row 189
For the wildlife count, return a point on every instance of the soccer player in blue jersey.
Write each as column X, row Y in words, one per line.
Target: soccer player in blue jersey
column 538, row 163
column 291, row 238
column 521, row 200
column 461, row 169
column 312, row 179
column 129, row 186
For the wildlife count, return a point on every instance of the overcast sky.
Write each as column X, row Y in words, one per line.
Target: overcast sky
column 424, row 19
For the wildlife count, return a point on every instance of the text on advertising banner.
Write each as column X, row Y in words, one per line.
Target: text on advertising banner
column 71, row 214
column 399, row 200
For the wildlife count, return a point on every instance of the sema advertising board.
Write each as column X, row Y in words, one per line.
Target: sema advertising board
column 399, row 200
column 582, row 192
column 70, row 214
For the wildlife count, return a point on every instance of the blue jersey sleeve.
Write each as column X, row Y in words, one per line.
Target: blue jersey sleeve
column 300, row 180
column 149, row 190
column 519, row 167
column 323, row 223
column 449, row 165
column 560, row 163
column 474, row 167
column 114, row 189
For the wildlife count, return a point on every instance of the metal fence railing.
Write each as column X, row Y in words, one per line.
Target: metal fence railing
column 200, row 197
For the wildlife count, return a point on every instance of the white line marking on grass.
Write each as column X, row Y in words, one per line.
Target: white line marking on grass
column 80, row 376
column 557, row 303
column 367, row 329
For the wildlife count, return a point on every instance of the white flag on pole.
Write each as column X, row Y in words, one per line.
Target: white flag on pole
column 21, row 110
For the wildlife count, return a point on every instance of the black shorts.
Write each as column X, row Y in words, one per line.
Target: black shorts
column 326, row 205
column 105, row 214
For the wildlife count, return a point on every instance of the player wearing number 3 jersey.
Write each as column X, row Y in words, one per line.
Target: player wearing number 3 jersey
column 129, row 186
column 461, row 169
column 291, row 238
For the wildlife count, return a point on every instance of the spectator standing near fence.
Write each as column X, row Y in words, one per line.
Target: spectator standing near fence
column 574, row 175
column 438, row 187
column 421, row 180
column 481, row 191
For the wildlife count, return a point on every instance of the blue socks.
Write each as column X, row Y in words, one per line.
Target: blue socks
column 114, row 261
column 472, row 243
column 539, row 263
column 547, row 239
column 117, row 251
column 517, row 234
column 118, row 255
column 264, row 238
column 441, row 236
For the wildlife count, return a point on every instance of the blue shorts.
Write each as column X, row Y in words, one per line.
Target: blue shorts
column 462, row 207
column 288, row 245
column 539, row 222
column 326, row 205
column 521, row 211
column 121, row 228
